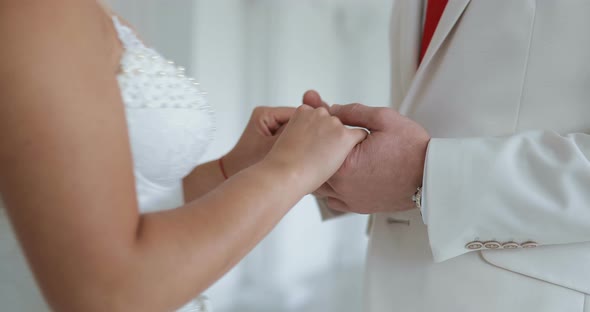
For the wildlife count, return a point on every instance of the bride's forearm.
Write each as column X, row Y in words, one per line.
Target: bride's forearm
column 202, row 180
column 185, row 250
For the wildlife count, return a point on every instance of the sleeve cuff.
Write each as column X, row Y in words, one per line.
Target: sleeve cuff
column 423, row 209
column 446, row 233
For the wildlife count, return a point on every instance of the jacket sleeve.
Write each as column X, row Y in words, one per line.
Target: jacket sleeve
column 501, row 193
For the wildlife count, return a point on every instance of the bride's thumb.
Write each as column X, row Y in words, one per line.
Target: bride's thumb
column 358, row 135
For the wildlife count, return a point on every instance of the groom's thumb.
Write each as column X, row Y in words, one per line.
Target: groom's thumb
column 313, row 99
column 358, row 115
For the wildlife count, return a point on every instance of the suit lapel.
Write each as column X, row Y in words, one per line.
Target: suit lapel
column 449, row 19
column 451, row 15
column 405, row 34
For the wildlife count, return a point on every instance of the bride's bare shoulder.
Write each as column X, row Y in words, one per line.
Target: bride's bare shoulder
column 32, row 30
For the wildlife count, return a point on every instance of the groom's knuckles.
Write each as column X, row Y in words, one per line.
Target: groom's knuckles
column 382, row 117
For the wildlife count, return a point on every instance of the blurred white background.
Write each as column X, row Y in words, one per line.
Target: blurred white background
column 247, row 53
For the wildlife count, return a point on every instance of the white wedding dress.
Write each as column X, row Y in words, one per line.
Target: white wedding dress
column 170, row 127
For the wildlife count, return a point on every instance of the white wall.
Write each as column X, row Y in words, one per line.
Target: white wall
column 268, row 52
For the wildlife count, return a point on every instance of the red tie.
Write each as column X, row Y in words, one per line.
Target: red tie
column 434, row 11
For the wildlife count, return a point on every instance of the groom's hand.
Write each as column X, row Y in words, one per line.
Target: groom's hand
column 383, row 172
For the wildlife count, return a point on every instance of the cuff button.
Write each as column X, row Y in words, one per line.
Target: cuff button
column 510, row 245
column 529, row 245
column 474, row 245
column 492, row 245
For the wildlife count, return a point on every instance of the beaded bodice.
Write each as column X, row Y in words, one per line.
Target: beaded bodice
column 170, row 124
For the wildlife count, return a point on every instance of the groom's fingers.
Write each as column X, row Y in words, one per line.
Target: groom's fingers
column 337, row 204
column 313, row 99
column 359, row 115
column 326, row 190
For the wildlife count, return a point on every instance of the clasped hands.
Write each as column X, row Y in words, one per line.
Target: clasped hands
column 380, row 174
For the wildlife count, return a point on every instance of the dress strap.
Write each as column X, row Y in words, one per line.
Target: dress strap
column 126, row 35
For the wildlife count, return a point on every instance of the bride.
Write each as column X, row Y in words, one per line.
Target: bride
column 96, row 131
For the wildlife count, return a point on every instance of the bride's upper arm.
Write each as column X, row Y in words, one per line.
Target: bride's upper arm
column 65, row 161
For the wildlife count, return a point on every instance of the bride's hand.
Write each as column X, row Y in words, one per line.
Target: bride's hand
column 313, row 146
column 263, row 129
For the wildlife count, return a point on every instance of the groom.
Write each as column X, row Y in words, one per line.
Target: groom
column 493, row 212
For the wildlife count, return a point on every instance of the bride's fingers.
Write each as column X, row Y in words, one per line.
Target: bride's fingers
column 280, row 130
column 358, row 135
column 304, row 107
column 275, row 118
column 282, row 115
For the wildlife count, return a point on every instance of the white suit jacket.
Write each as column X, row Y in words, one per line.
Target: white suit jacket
column 504, row 90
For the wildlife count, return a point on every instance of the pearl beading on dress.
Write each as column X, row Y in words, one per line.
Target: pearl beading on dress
column 147, row 80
